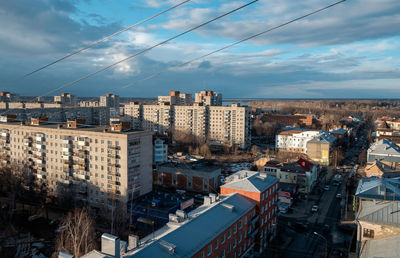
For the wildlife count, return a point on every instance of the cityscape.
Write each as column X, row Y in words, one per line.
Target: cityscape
column 148, row 145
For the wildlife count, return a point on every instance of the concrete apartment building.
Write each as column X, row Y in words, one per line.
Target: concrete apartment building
column 192, row 176
column 110, row 100
column 66, row 99
column 160, row 152
column 224, row 124
column 377, row 217
column 93, row 163
column 238, row 223
column 176, row 98
column 208, row 98
column 92, row 115
column 6, row 96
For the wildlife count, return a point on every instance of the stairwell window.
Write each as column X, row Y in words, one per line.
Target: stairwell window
column 209, row 251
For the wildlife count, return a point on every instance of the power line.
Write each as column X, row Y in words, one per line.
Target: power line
column 147, row 49
column 97, row 42
column 231, row 45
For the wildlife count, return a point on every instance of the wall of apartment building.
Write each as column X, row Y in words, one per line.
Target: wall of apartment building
column 191, row 119
column 93, row 164
column 319, row 152
column 230, row 125
column 227, row 243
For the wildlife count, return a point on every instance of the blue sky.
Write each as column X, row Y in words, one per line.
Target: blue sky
column 349, row 51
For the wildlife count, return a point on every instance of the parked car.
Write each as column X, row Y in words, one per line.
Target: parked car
column 314, row 208
column 326, row 188
column 326, row 228
column 339, row 196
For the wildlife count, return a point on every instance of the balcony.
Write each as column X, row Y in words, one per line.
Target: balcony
column 66, row 150
column 113, row 173
column 113, row 147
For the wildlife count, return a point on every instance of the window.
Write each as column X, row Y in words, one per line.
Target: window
column 216, row 244
column 240, row 224
column 245, row 220
column 223, row 254
column 202, row 255
column 209, row 251
column 229, row 233
column 262, row 197
column 235, row 229
column 234, row 243
column 223, row 239
column 240, row 238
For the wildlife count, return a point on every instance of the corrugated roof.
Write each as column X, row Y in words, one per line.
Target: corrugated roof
column 193, row 235
column 382, row 212
column 255, row 182
column 379, row 188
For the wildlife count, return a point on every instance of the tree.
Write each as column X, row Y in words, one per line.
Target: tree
column 255, row 150
column 205, row 151
column 78, row 236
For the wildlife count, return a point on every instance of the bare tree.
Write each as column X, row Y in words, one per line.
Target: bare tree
column 78, row 236
column 205, row 151
column 255, row 150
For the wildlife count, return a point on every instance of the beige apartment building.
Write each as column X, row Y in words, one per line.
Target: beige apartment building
column 94, row 163
column 224, row 124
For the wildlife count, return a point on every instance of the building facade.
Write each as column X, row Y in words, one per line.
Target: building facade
column 66, row 99
column 176, row 98
column 208, row 98
column 224, row 124
column 110, row 100
column 90, row 162
column 198, row 177
column 160, row 151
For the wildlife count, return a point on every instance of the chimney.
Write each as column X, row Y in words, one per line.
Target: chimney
column 207, row 200
column 64, row 255
column 76, row 123
column 110, row 245
column 213, row 197
column 120, row 126
column 133, row 242
column 181, row 214
column 39, row 120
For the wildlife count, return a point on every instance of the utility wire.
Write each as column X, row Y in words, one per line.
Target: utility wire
column 97, row 42
column 231, row 45
column 147, row 49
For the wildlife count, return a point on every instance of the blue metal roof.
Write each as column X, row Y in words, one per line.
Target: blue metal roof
column 379, row 188
column 192, row 236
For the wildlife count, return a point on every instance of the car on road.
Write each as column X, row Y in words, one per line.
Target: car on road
column 326, row 188
column 326, row 228
column 338, row 196
column 314, row 208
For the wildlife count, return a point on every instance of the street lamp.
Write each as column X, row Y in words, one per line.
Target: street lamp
column 326, row 243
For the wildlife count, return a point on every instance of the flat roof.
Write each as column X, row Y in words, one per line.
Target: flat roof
column 199, row 166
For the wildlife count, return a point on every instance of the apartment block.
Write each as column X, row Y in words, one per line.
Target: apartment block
column 160, row 151
column 66, row 99
column 208, row 98
column 93, row 163
column 92, row 115
column 224, row 124
column 6, row 96
column 110, row 100
column 176, row 98
column 230, row 125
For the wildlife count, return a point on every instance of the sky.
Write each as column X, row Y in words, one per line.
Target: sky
column 351, row 50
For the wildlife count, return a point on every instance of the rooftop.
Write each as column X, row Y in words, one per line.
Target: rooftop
column 380, row 212
column 384, row 147
column 198, row 166
column 250, row 181
column 216, row 217
column 379, row 188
